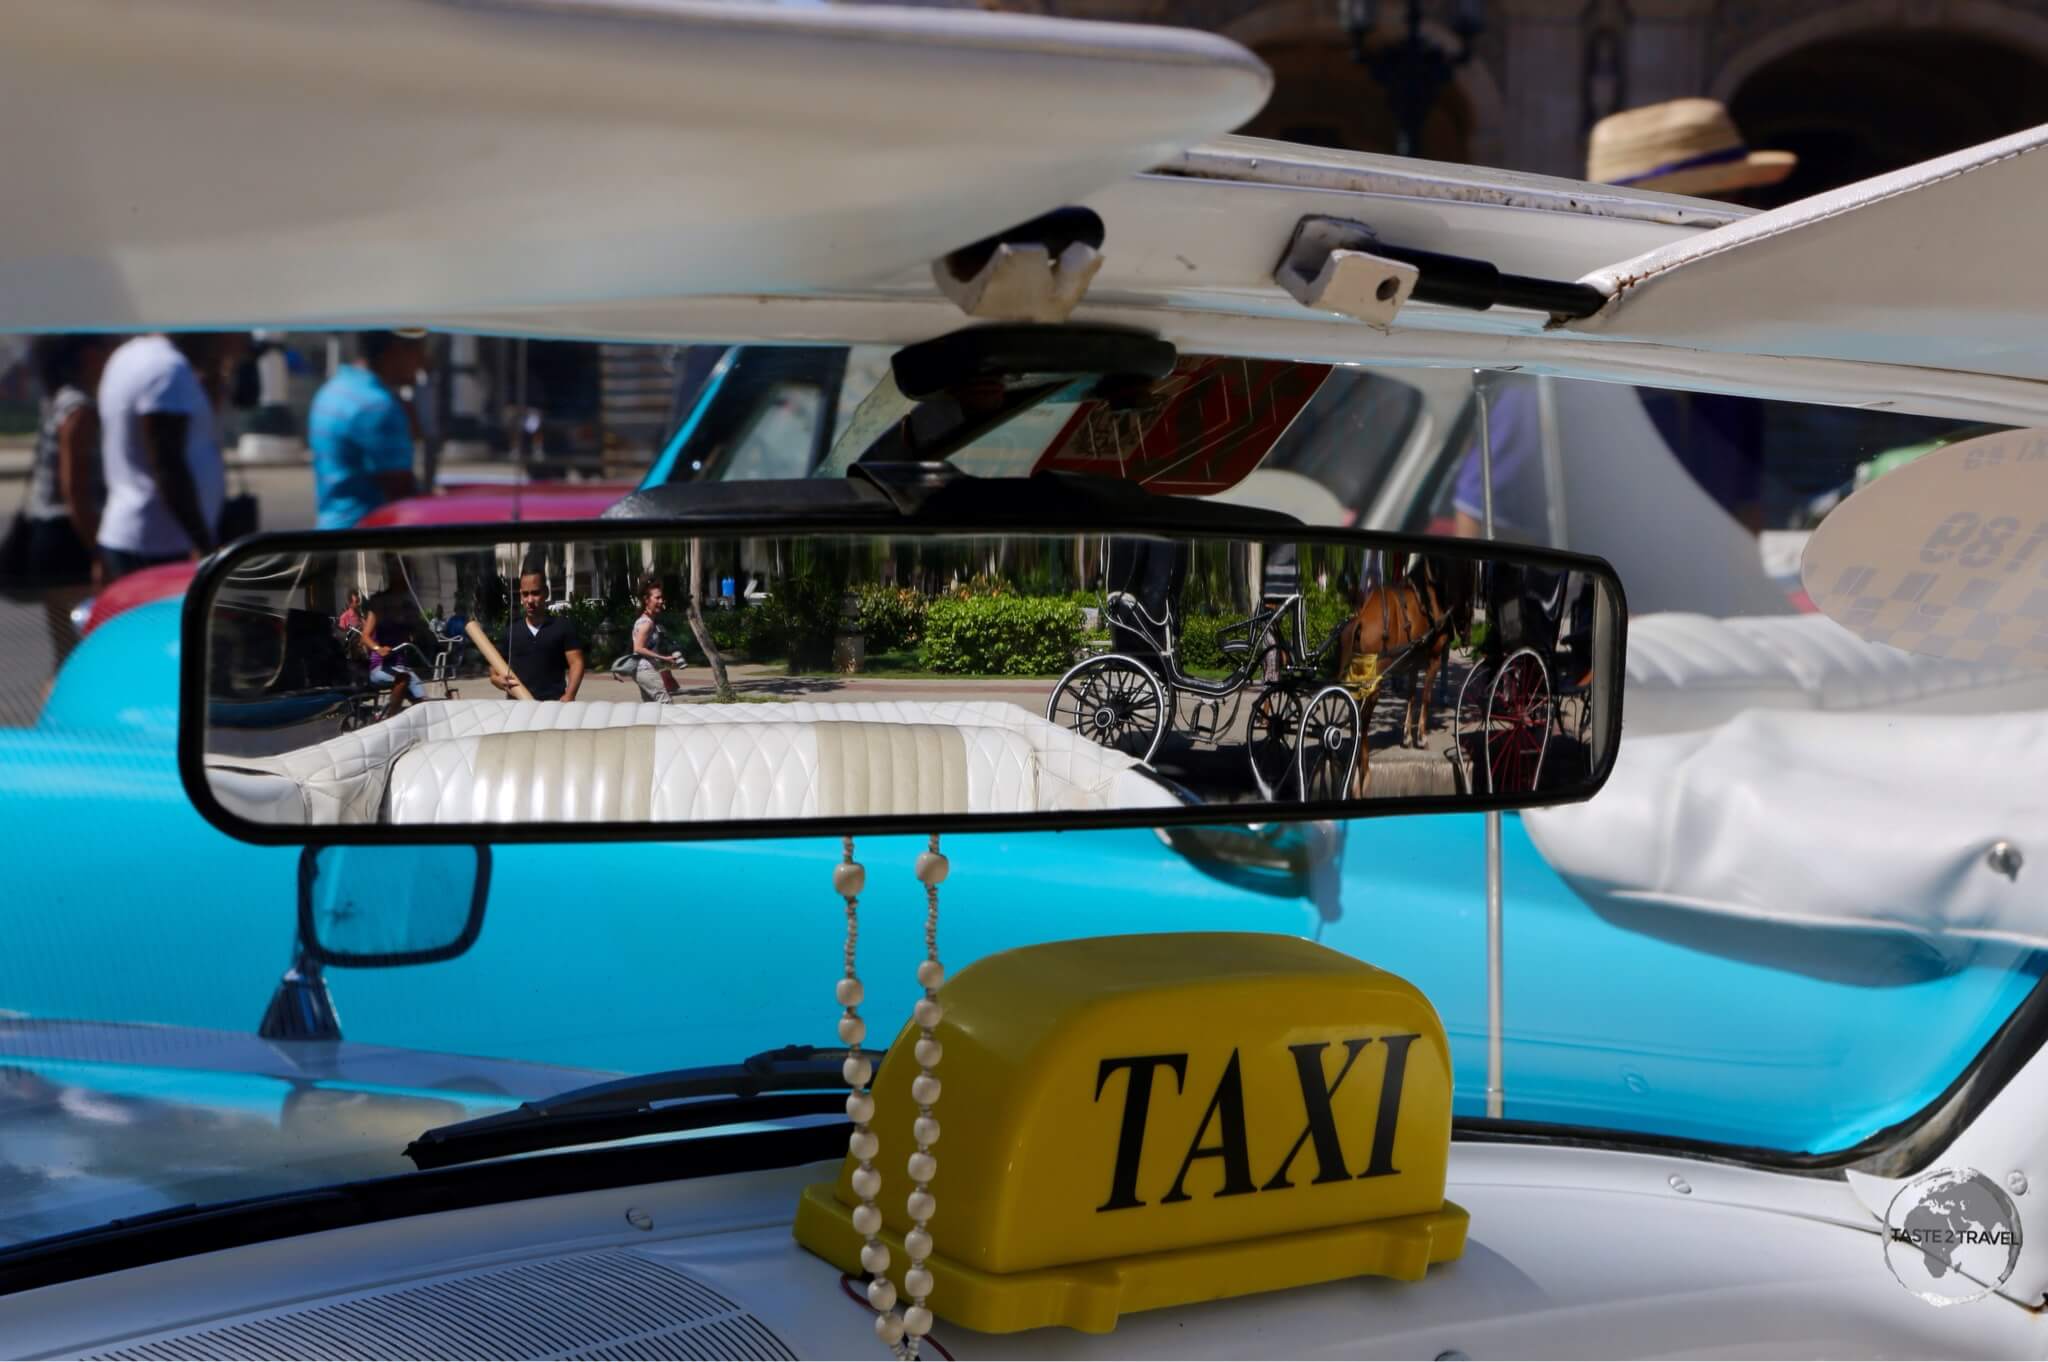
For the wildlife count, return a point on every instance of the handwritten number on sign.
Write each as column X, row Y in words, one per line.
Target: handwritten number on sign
column 1990, row 542
column 1949, row 535
column 2032, row 542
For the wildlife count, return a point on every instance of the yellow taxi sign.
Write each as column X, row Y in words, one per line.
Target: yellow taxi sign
column 1137, row 1112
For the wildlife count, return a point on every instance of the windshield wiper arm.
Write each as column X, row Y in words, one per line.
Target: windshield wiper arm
column 797, row 1080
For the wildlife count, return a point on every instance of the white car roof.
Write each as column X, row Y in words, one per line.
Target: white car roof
column 189, row 163
column 659, row 170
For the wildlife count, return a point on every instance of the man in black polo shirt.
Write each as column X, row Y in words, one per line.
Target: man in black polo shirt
column 542, row 649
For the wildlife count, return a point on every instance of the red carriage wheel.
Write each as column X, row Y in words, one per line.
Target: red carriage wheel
column 1518, row 711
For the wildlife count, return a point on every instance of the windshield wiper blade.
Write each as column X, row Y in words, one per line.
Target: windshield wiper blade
column 796, row 1080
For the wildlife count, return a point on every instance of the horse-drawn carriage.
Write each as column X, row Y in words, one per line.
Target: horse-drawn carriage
column 1129, row 697
column 1309, row 721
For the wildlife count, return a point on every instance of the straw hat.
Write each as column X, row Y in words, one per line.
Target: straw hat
column 1683, row 146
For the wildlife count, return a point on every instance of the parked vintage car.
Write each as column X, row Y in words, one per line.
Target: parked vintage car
column 1694, row 1112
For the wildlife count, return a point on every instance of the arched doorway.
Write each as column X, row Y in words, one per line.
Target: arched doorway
column 1861, row 104
column 1323, row 98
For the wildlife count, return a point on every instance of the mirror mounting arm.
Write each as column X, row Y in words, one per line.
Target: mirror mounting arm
column 301, row 1008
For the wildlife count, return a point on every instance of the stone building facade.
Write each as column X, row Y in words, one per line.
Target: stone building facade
column 1854, row 86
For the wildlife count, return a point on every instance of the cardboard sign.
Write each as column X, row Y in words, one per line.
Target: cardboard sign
column 1945, row 557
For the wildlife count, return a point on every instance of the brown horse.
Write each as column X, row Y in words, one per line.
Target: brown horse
column 1410, row 621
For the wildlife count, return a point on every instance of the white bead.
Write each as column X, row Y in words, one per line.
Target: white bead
column 923, row 1167
column 927, row 1013
column 924, row 1090
column 849, row 878
column 867, row 1219
column 860, row 1108
column 929, row 1052
column 932, row 868
column 931, row 974
column 889, row 1328
column 866, row 1182
column 857, row 1071
column 881, row 1293
column 918, row 1244
column 926, row 1130
column 918, row 1282
column 862, row 1144
column 921, row 1205
column 849, row 991
column 875, row 1257
column 852, row 1030
column 917, row 1320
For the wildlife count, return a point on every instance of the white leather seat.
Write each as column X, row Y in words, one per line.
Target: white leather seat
column 712, row 772
column 502, row 761
column 1794, row 818
column 1689, row 672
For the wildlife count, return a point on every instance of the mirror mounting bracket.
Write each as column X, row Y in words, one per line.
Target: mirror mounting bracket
column 301, row 1008
column 1343, row 266
column 907, row 485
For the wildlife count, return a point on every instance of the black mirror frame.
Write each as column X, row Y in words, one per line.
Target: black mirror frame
column 309, row 936
column 1025, row 500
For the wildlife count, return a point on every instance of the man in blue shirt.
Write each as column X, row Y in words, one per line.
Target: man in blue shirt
column 361, row 432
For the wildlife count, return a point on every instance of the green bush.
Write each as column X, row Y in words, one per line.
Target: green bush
column 1326, row 610
column 1001, row 635
column 891, row 618
column 1199, row 652
column 799, row 620
column 604, row 627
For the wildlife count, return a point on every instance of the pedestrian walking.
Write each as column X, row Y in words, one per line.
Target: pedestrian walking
column 160, row 448
column 362, row 432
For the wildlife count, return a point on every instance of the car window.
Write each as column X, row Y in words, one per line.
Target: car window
column 778, row 436
column 1734, row 942
column 1765, row 1003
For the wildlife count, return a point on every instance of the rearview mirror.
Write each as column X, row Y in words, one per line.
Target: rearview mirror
column 635, row 679
column 378, row 907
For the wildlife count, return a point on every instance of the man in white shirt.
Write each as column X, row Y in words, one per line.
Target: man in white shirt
column 166, row 481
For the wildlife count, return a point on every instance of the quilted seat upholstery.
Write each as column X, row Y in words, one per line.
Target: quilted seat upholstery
column 491, row 761
column 711, row 772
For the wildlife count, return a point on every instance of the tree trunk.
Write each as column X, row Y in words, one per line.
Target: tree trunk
column 696, row 598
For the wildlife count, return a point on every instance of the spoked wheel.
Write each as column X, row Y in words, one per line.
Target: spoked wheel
column 1331, row 744
column 1114, row 701
column 1518, row 712
column 1270, row 735
column 1468, row 727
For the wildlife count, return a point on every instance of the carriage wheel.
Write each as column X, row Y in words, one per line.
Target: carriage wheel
column 1332, row 739
column 1114, row 701
column 1518, row 710
column 1468, row 724
column 1269, row 738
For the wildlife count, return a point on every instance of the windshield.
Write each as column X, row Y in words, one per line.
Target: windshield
column 1747, row 939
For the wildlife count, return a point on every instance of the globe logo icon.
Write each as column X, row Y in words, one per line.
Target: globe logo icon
column 1951, row 1236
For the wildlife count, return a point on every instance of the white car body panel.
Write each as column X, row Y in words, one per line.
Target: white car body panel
column 1572, row 1253
column 1930, row 266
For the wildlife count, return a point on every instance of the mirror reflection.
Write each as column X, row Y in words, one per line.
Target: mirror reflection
column 727, row 679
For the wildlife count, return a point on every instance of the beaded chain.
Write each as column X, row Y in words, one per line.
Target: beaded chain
column 904, row 1332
